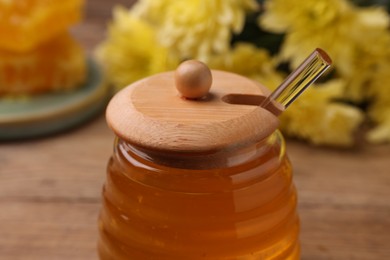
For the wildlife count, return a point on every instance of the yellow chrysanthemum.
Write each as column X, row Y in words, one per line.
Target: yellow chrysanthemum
column 152, row 11
column 316, row 118
column 354, row 37
column 358, row 41
column 156, row 34
column 131, row 51
column 196, row 28
column 308, row 25
column 371, row 46
column 250, row 61
column 379, row 110
column 282, row 16
column 313, row 117
column 381, row 133
column 379, row 87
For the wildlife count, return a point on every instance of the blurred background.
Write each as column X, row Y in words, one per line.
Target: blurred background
column 337, row 133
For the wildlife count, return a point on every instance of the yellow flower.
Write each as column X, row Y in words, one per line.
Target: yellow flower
column 316, row 118
column 152, row 11
column 247, row 60
column 132, row 51
column 356, row 38
column 381, row 133
column 379, row 110
column 196, row 28
column 308, row 25
column 313, row 116
column 371, row 50
column 282, row 16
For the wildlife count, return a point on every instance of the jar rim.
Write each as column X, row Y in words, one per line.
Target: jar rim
column 205, row 161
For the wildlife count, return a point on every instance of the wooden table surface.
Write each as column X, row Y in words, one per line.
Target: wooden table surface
column 50, row 188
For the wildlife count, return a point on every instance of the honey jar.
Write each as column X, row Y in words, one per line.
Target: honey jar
column 199, row 171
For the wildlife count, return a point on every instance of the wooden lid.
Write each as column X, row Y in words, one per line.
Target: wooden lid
column 151, row 114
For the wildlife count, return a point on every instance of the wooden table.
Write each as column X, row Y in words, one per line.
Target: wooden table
column 50, row 189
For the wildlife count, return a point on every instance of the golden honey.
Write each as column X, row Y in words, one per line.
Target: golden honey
column 239, row 204
column 58, row 64
column 25, row 24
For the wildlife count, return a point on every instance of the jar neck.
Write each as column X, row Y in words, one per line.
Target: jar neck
column 204, row 161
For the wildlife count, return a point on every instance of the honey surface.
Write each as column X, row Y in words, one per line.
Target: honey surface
column 155, row 212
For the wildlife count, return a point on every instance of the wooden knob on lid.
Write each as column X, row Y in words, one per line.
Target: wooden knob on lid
column 193, row 79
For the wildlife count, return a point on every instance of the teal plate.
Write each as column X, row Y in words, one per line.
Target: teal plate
column 46, row 114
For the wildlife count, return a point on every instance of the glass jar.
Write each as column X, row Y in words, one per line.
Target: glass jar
column 237, row 204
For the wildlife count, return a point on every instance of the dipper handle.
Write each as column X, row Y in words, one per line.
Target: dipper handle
column 306, row 73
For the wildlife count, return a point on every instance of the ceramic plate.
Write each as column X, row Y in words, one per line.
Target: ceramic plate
column 49, row 113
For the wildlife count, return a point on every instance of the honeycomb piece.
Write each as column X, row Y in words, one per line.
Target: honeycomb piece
column 59, row 64
column 25, row 24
